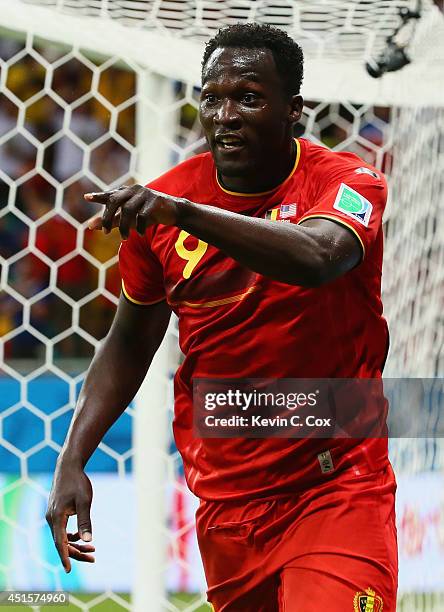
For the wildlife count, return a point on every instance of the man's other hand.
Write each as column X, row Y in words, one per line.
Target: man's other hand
column 71, row 494
column 133, row 207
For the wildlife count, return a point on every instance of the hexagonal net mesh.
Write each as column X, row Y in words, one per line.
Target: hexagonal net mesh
column 75, row 116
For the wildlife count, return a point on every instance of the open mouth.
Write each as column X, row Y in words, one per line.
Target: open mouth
column 229, row 142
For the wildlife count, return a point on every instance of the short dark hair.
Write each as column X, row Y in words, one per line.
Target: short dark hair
column 287, row 54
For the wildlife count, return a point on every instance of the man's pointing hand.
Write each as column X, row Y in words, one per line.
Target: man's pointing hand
column 133, row 207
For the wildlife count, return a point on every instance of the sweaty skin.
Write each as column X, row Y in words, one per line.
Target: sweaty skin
column 242, row 95
column 248, row 119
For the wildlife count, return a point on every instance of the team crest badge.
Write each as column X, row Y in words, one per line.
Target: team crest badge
column 368, row 601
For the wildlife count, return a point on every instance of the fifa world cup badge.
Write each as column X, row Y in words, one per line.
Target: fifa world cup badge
column 368, row 601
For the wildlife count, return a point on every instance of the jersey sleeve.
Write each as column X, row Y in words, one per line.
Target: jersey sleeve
column 355, row 199
column 141, row 272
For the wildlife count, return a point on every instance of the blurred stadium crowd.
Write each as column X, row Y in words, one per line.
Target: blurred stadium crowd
column 35, row 197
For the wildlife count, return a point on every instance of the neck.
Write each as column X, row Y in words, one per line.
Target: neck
column 257, row 180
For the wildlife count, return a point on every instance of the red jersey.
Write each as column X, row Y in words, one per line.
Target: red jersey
column 235, row 323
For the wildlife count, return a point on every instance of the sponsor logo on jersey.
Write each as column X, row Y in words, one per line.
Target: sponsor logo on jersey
column 281, row 213
column 364, row 170
column 353, row 204
column 368, row 601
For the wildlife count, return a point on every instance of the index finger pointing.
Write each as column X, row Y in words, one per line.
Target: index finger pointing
column 101, row 197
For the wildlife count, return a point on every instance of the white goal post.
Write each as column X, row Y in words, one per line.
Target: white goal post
column 396, row 123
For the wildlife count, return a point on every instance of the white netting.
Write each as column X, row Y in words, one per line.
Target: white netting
column 90, row 114
column 325, row 26
column 414, row 255
column 167, row 37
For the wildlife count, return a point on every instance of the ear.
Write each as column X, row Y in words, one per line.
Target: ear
column 296, row 106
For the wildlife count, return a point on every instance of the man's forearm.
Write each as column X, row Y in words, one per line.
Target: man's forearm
column 111, row 383
column 283, row 251
column 113, row 379
column 316, row 252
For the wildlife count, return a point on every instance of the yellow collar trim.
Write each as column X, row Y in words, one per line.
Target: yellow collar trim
column 261, row 193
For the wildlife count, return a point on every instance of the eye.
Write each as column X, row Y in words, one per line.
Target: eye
column 210, row 98
column 249, row 97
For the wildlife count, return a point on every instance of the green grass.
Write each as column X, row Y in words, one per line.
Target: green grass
column 180, row 600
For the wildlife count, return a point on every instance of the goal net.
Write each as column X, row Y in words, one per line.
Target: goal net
column 97, row 93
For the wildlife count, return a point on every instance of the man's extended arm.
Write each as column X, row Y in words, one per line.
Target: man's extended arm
column 311, row 254
column 113, row 379
column 307, row 255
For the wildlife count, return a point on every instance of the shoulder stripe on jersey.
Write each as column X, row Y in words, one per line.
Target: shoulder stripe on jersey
column 221, row 302
column 338, row 220
column 128, row 297
column 261, row 193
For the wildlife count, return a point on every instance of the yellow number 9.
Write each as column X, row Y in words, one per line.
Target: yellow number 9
column 191, row 257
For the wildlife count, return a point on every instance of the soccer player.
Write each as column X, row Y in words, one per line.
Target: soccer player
column 269, row 249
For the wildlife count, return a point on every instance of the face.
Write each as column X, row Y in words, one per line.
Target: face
column 245, row 112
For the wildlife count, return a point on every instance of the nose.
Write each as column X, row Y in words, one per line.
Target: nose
column 227, row 114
